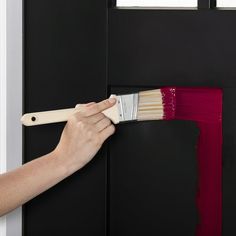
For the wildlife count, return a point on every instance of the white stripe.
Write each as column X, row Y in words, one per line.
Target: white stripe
column 157, row 3
column 3, row 85
column 3, row 97
column 10, row 100
column 226, row 3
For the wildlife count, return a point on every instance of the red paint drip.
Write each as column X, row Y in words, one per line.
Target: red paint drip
column 204, row 106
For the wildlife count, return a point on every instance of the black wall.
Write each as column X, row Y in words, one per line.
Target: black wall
column 143, row 181
column 65, row 64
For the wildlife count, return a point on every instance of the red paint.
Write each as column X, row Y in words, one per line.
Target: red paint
column 204, row 106
column 169, row 101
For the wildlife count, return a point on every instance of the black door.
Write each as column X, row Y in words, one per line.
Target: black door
column 65, row 64
column 143, row 180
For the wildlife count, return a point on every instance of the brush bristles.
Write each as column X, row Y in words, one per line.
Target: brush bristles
column 157, row 104
column 150, row 106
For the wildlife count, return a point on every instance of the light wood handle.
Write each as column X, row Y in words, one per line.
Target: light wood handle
column 46, row 117
column 55, row 116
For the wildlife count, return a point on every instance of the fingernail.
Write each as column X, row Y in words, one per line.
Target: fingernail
column 112, row 100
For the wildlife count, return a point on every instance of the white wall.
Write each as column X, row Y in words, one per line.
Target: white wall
column 226, row 3
column 157, row 3
column 3, row 99
column 10, row 100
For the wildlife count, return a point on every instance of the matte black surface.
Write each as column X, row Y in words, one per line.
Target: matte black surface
column 67, row 62
column 182, row 48
column 172, row 47
column 229, row 161
column 206, row 4
column 153, row 178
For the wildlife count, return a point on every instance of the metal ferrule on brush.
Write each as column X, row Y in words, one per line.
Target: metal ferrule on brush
column 128, row 107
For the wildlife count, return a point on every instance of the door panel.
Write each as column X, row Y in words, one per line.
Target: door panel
column 65, row 64
column 172, row 47
column 153, row 177
column 229, row 161
column 74, row 51
column 156, row 47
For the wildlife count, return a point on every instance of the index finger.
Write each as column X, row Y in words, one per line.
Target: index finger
column 99, row 107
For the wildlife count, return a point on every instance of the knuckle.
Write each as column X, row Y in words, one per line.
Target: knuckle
column 78, row 106
column 89, row 131
column 72, row 119
column 80, row 124
column 78, row 114
column 106, row 103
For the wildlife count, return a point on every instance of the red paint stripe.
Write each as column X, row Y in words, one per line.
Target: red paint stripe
column 204, row 106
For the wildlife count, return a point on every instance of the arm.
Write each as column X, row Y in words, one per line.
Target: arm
column 82, row 137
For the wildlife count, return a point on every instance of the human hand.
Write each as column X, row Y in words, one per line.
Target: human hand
column 84, row 134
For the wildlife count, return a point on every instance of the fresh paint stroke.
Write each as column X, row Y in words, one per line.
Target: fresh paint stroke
column 204, row 106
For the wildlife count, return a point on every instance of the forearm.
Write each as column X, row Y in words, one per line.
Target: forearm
column 82, row 137
column 21, row 185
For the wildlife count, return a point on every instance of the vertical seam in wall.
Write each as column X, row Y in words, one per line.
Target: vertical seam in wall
column 107, row 198
column 23, row 100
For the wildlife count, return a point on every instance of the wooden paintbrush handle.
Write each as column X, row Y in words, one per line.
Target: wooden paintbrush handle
column 54, row 116
column 46, row 117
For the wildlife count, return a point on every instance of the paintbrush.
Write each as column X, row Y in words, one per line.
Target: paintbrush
column 156, row 104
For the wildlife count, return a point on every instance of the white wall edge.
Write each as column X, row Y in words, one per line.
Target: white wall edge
column 3, row 95
column 10, row 101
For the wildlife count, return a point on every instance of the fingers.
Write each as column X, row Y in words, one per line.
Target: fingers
column 105, row 104
column 89, row 104
column 96, row 118
column 84, row 105
column 97, row 107
column 107, row 132
column 102, row 124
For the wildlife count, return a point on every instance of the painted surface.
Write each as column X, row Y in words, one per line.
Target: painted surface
column 204, row 106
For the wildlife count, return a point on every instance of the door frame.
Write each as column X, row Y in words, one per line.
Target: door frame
column 11, row 34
